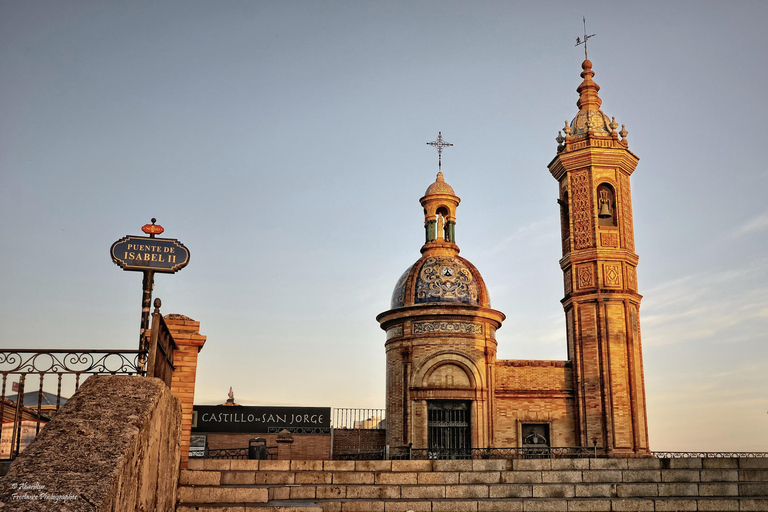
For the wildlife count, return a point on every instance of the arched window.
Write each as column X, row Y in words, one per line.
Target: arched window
column 442, row 227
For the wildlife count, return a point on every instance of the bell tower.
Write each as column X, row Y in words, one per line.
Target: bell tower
column 593, row 168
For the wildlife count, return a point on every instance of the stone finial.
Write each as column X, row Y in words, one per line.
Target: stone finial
column 613, row 125
column 567, row 128
column 560, row 139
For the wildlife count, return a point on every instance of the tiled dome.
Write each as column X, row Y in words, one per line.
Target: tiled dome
column 440, row 280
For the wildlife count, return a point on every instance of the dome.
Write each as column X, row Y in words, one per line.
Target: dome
column 434, row 279
column 439, row 187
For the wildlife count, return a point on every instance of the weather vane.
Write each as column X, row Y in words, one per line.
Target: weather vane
column 439, row 144
column 584, row 42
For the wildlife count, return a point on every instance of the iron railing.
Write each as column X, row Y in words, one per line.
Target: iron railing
column 367, row 419
column 66, row 369
column 238, row 453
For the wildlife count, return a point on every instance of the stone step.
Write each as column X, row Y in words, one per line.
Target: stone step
column 480, row 465
column 276, row 506
column 221, row 494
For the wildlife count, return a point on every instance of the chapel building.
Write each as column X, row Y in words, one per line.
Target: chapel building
column 446, row 391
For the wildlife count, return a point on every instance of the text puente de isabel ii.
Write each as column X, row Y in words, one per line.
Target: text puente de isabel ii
column 445, row 389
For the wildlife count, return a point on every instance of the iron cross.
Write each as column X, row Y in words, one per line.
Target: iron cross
column 584, row 42
column 440, row 144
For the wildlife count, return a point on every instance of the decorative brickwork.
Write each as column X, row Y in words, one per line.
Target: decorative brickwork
column 447, row 328
column 567, row 281
column 582, row 210
column 626, row 212
column 612, row 275
column 609, row 239
column 585, row 276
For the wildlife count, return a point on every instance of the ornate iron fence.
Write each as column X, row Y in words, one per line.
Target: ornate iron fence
column 710, row 455
column 238, row 453
column 24, row 413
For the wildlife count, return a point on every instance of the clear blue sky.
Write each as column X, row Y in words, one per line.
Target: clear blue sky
column 284, row 144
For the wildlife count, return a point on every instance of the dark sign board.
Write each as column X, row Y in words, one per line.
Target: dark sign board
column 144, row 253
column 260, row 420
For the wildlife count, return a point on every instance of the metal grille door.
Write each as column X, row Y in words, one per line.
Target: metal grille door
column 448, row 424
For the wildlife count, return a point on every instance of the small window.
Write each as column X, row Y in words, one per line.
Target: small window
column 606, row 205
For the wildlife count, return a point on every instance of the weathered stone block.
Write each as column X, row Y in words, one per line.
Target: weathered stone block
column 113, row 446
column 546, row 506
column 480, row 477
column 636, row 505
column 491, row 465
column 532, row 465
column 422, row 492
column 306, row 465
column 719, row 489
column 553, row 491
column 499, row 506
column 598, row 476
column 680, row 475
column 644, row 463
column 373, row 492
column 511, row 491
column 638, row 476
column 454, row 506
column 717, row 505
column 564, row 477
column 452, row 465
column 245, row 465
column 684, row 463
column 279, row 493
column 414, row 506
column 719, row 475
column 338, row 465
column 753, row 475
column 753, row 489
column 237, row 478
column 313, row 478
column 274, row 477
column 595, row 490
column 607, row 463
column 589, row 506
column 188, row 477
column 679, row 489
column 302, row 492
column 209, row 464
column 398, row 478
column 411, row 465
column 729, row 463
column 753, row 505
column 674, row 505
column 560, row 464
column 753, row 463
column 353, row 478
column 271, row 465
column 362, row 506
column 637, row 490
column 330, row 492
column 521, row 477
column 466, row 491
column 373, row 465
column 441, row 478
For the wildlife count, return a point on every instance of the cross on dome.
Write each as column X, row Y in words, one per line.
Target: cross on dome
column 440, row 144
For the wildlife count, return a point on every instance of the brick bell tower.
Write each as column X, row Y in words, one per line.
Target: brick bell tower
column 593, row 166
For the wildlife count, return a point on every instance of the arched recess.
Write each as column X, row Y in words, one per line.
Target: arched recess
column 425, row 369
column 606, row 205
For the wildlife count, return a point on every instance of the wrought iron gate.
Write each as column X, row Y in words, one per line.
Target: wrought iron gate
column 448, row 424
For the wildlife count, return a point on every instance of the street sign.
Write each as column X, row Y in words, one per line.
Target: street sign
column 149, row 254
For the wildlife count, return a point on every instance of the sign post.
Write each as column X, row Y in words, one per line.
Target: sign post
column 148, row 255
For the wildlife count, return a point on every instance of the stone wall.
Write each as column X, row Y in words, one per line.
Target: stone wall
column 304, row 447
column 114, row 446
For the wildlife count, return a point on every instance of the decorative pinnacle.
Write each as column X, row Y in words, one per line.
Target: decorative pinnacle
column 440, row 144
column 584, row 42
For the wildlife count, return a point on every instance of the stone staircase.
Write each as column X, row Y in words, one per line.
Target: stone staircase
column 631, row 485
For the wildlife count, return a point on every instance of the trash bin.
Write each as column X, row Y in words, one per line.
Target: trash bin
column 257, row 448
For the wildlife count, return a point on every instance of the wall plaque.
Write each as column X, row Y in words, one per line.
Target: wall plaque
column 260, row 420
